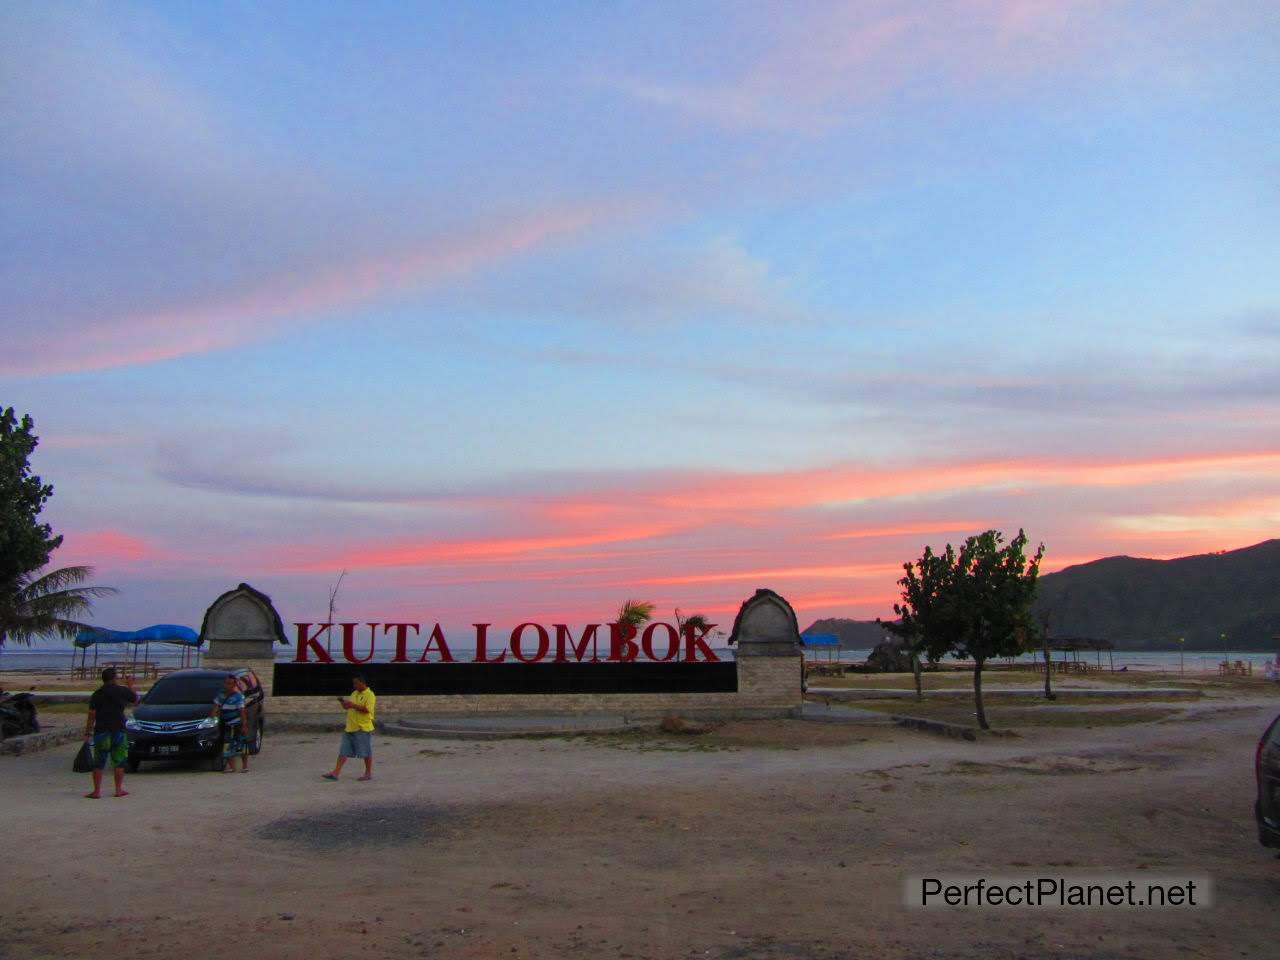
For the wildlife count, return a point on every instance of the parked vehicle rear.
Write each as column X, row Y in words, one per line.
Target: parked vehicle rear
column 1267, row 769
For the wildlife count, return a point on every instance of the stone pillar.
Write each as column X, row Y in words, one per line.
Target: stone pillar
column 241, row 629
column 767, row 637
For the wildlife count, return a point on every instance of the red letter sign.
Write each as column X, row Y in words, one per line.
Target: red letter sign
column 673, row 641
column 349, row 642
column 622, row 643
column 565, row 639
column 543, row 642
column 402, row 639
column 482, row 631
column 311, row 642
column 436, row 640
column 693, row 644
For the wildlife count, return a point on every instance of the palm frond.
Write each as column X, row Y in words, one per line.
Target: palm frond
column 59, row 579
column 50, row 604
column 635, row 612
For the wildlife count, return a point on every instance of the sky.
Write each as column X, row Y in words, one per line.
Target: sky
column 517, row 311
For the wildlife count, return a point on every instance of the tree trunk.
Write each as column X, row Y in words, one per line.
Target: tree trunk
column 977, row 693
column 915, row 668
column 1048, row 670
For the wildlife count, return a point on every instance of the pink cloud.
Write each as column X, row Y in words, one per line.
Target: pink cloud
column 445, row 552
column 298, row 298
column 849, row 571
column 907, row 529
column 108, row 547
column 831, row 539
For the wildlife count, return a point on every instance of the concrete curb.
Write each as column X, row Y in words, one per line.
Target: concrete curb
column 825, row 713
column 955, row 731
column 454, row 733
column 35, row 742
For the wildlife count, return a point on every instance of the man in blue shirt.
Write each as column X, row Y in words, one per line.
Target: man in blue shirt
column 228, row 706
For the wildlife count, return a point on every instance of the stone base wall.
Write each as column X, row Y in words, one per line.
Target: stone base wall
column 767, row 686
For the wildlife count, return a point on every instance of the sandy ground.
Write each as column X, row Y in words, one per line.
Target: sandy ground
column 767, row 839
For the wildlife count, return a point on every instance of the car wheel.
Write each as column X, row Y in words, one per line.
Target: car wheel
column 256, row 746
column 216, row 760
column 132, row 765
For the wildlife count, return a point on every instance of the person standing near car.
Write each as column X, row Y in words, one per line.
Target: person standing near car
column 104, row 729
column 357, row 740
column 229, row 707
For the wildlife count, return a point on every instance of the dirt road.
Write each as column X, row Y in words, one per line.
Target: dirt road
column 766, row 839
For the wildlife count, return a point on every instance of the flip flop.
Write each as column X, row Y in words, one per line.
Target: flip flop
column 122, row 793
column 93, row 796
column 327, row 776
column 365, row 777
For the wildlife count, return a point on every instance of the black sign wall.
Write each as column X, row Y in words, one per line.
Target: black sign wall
column 444, row 679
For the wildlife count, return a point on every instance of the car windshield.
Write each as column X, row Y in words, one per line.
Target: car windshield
column 185, row 690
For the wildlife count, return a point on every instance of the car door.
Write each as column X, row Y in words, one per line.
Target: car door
column 254, row 697
column 1268, row 769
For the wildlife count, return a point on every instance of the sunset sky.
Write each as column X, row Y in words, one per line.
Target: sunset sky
column 515, row 311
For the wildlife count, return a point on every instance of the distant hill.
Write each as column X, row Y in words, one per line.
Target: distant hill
column 853, row 634
column 1138, row 603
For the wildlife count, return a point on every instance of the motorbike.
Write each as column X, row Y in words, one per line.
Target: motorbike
column 17, row 714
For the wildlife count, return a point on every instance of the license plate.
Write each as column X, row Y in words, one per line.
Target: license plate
column 171, row 748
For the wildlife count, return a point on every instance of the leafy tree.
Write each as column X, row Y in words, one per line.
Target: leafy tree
column 974, row 603
column 33, row 605
column 997, row 584
column 927, row 621
column 25, row 543
column 48, row 604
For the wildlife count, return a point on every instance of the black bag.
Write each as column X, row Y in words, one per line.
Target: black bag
column 83, row 762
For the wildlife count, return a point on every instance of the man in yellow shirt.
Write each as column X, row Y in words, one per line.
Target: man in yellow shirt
column 357, row 740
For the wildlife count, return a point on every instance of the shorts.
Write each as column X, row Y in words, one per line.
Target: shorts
column 113, row 747
column 234, row 742
column 356, row 744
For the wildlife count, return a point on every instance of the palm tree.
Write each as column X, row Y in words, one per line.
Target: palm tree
column 635, row 614
column 48, row 604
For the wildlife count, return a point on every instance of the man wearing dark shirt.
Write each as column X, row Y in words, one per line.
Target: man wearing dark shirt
column 104, row 728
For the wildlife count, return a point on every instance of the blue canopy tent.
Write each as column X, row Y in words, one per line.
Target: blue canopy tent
column 96, row 637
column 829, row 641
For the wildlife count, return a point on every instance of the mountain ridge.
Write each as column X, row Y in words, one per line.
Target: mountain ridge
column 1138, row 602
column 1143, row 604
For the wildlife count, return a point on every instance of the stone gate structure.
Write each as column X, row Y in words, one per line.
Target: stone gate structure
column 242, row 628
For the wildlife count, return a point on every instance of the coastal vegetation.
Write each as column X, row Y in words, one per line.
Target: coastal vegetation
column 33, row 603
